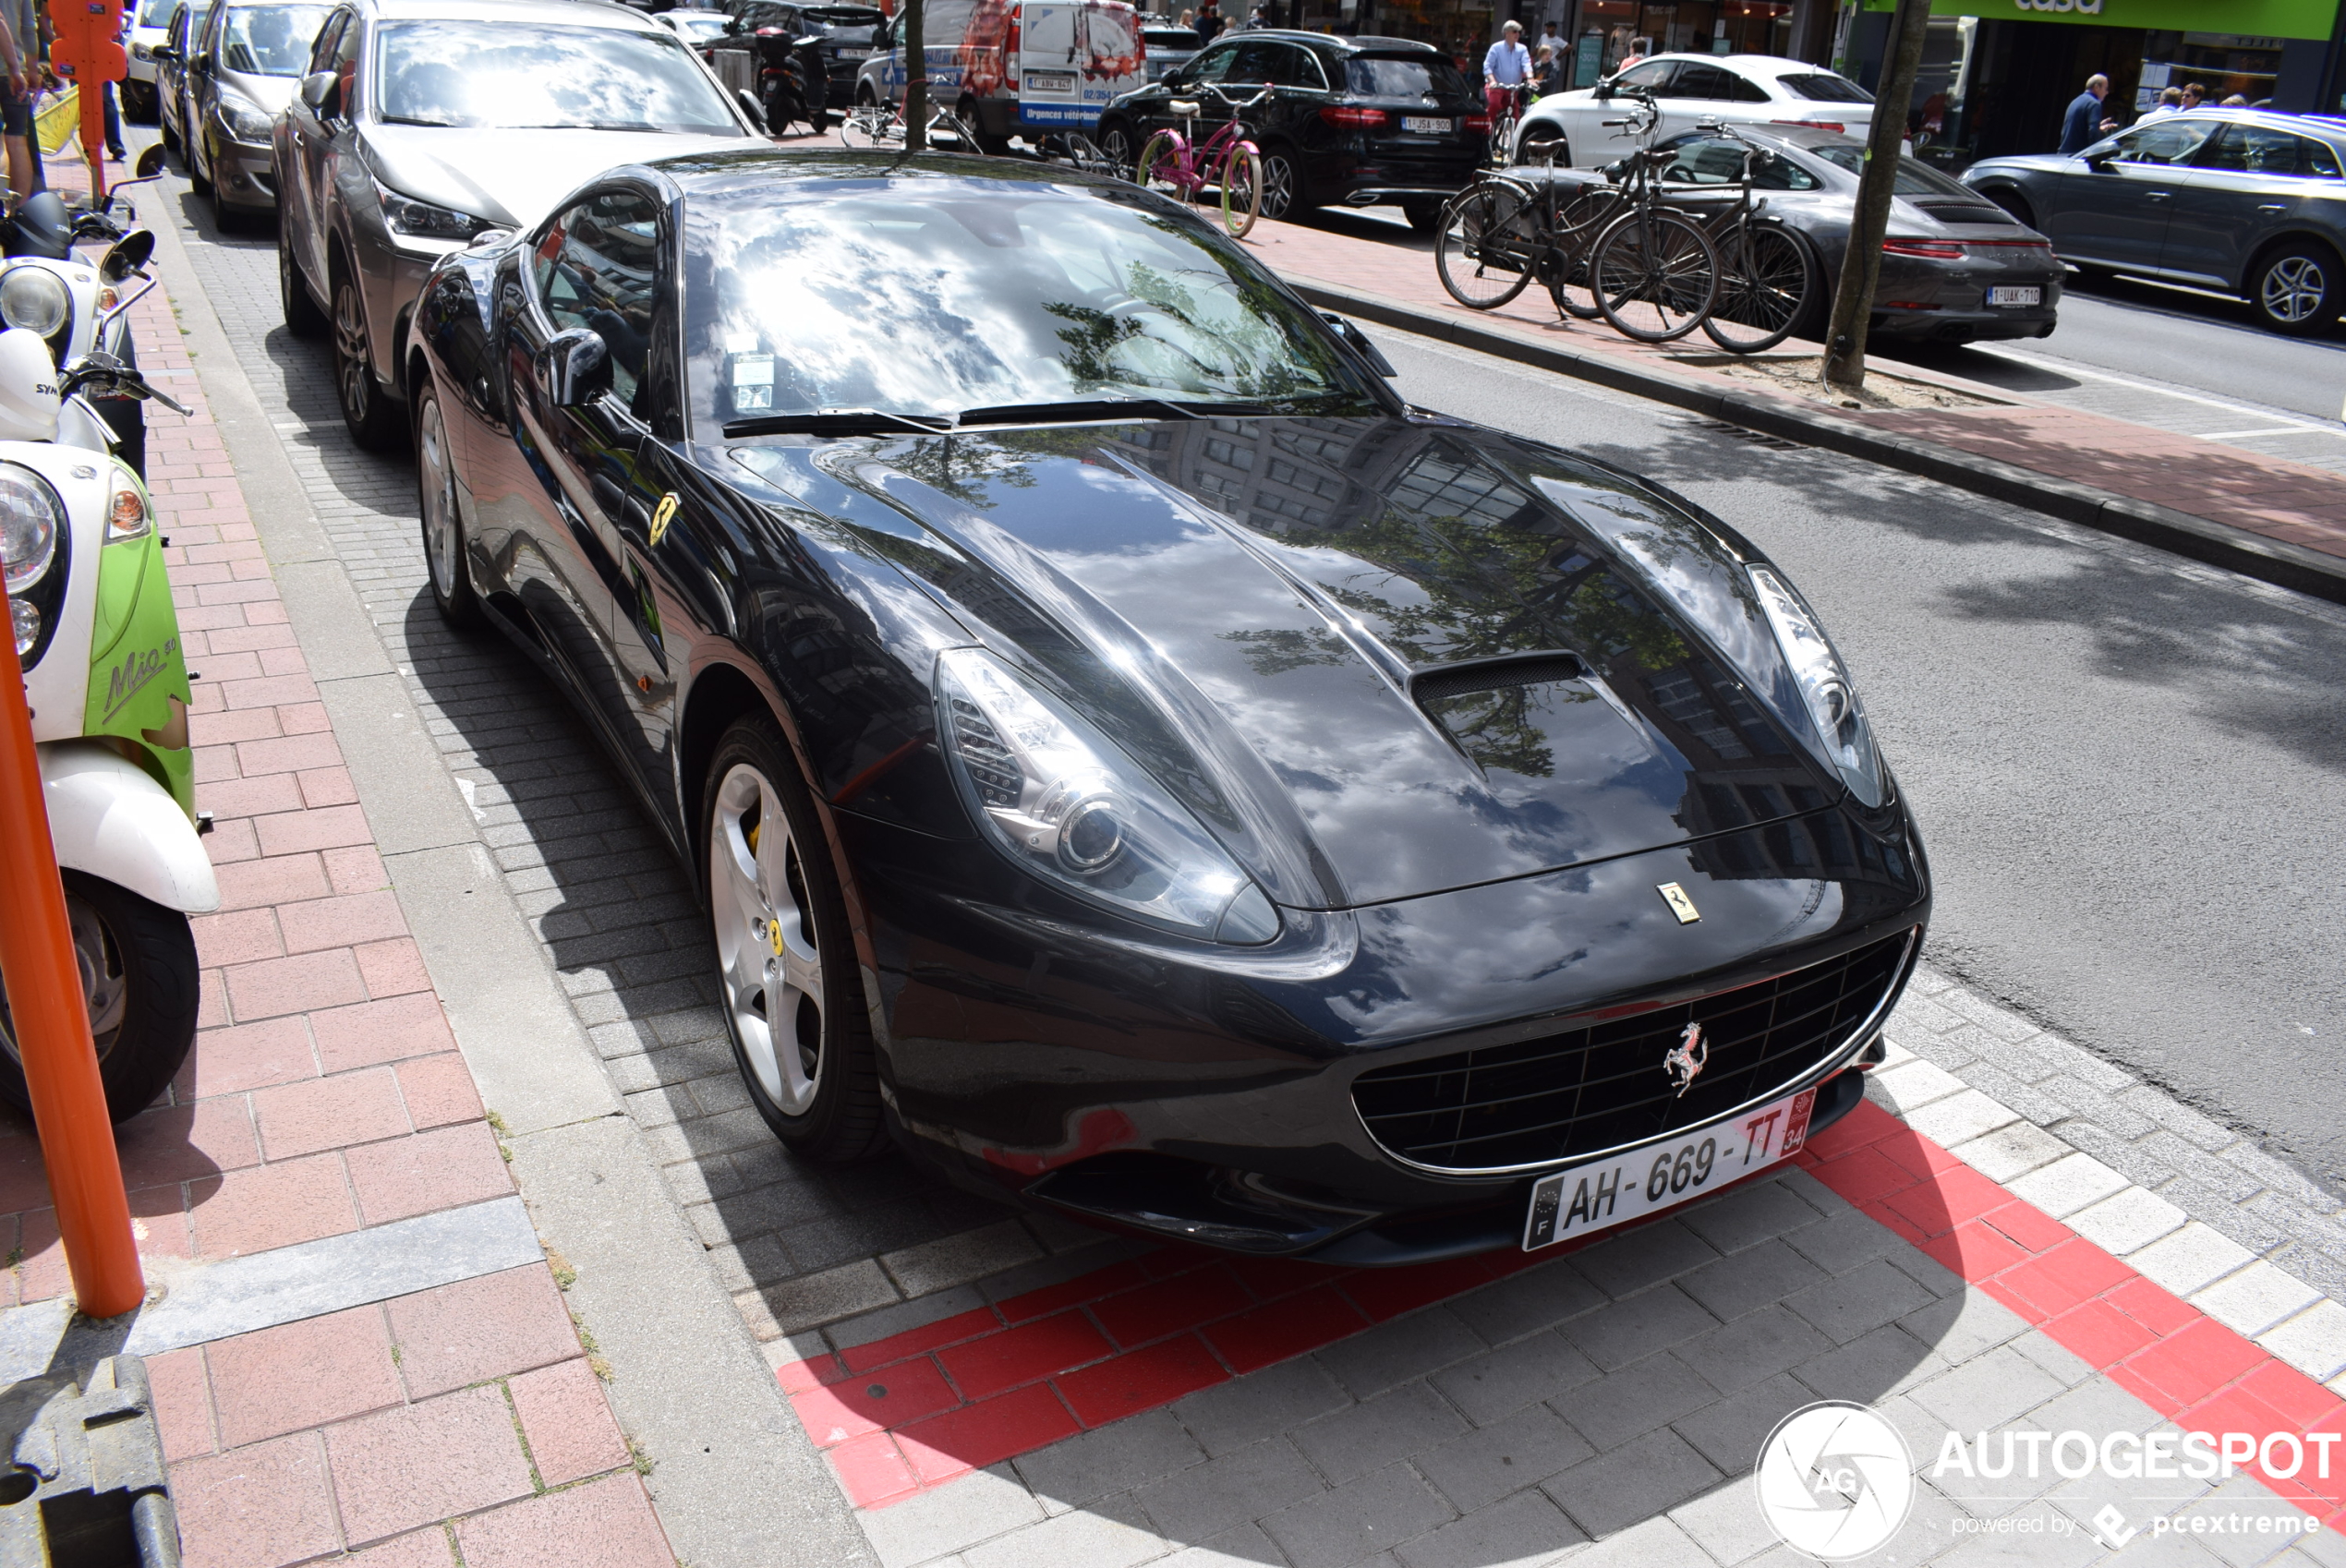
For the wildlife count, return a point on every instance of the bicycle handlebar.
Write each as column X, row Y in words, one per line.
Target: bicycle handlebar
column 1224, row 94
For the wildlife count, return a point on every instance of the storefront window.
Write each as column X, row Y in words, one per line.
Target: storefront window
column 1630, row 28
column 2223, row 64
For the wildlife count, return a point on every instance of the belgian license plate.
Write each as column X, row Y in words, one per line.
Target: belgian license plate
column 2014, row 295
column 1425, row 125
column 1662, row 1176
column 1050, row 82
column 853, row 53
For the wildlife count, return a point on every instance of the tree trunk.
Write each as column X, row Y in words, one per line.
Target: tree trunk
column 916, row 79
column 1861, row 266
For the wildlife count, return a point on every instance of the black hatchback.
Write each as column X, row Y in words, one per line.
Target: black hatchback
column 1350, row 120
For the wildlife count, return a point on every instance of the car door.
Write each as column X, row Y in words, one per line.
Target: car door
column 327, row 138
column 2249, row 180
column 2113, row 207
column 1591, row 140
column 1211, row 67
column 301, row 216
column 1698, row 91
column 596, row 265
column 204, row 89
column 171, row 73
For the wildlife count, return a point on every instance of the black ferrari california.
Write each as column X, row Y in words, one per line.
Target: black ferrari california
column 1133, row 759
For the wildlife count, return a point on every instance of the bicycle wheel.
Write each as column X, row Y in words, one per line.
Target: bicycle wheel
column 1764, row 281
column 1241, row 189
column 1583, row 219
column 1484, row 251
column 1656, row 275
column 1160, row 167
column 868, row 125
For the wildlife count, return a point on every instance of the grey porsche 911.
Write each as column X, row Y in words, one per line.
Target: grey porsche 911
column 1129, row 757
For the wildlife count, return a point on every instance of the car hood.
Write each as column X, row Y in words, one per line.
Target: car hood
column 270, row 94
column 1379, row 657
column 2023, row 162
column 511, row 176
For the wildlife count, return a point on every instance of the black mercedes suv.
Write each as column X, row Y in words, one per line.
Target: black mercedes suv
column 1350, row 120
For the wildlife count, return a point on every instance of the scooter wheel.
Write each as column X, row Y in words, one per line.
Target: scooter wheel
column 140, row 981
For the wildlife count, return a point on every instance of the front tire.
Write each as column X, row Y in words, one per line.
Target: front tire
column 1484, row 253
column 1160, row 168
column 786, row 970
column 2297, row 289
column 1116, row 145
column 1241, row 180
column 303, row 319
column 139, row 982
column 374, row 424
column 444, row 520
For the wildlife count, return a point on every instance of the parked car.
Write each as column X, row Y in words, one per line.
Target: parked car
column 149, row 25
column 1169, row 48
column 422, row 123
column 2239, row 200
column 171, row 79
column 1352, row 120
column 1688, row 88
column 1030, row 67
column 699, row 29
column 845, row 35
column 1128, row 755
column 239, row 74
column 1954, row 268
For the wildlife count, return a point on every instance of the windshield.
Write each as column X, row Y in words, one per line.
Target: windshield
column 703, row 25
column 916, row 297
column 1913, row 180
column 156, row 13
column 1409, row 76
column 1823, row 87
column 499, row 76
column 270, row 41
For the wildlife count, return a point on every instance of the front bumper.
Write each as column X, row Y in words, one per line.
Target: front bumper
column 244, row 178
column 1206, row 1094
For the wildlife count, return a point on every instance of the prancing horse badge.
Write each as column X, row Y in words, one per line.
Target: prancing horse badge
column 1680, row 904
column 1685, row 1060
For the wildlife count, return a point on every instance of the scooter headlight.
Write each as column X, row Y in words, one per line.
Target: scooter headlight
column 30, row 524
column 34, row 299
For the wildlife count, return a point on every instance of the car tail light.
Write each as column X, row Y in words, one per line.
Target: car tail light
column 1479, row 124
column 1010, row 45
column 1347, row 115
column 1836, row 127
column 1924, row 249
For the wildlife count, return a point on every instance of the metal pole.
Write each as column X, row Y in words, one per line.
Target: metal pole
column 52, row 1026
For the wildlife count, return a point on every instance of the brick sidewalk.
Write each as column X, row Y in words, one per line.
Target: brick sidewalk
column 324, row 1098
column 2295, row 502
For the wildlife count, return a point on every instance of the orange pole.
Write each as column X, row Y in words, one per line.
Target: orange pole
column 52, row 1027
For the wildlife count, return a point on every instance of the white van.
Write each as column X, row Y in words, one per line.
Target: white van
column 1015, row 66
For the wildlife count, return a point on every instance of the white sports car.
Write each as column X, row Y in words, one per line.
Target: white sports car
column 1687, row 90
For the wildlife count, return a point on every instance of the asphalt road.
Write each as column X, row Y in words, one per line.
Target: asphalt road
column 2129, row 769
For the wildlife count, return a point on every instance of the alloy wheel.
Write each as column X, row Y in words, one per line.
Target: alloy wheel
column 2293, row 289
column 353, row 379
column 767, row 958
column 1278, row 185
column 439, row 500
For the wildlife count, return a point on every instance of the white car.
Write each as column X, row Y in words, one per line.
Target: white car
column 149, row 25
column 1688, row 88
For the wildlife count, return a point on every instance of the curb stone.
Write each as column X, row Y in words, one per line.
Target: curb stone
column 2277, row 561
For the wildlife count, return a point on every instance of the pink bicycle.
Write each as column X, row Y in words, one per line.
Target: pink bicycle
column 1179, row 165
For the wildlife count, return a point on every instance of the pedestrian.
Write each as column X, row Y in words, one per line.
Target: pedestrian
column 1507, row 64
column 22, row 21
column 1209, row 22
column 2237, row 101
column 1549, row 36
column 2084, row 123
column 2194, row 95
column 2170, row 101
column 1189, row 19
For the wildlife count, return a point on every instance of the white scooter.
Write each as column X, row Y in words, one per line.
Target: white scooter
column 95, row 630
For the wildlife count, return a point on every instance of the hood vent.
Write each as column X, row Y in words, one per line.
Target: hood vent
column 1494, row 675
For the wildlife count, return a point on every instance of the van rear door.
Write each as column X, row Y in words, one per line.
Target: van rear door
column 1050, row 74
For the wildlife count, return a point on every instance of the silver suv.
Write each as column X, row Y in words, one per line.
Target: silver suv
column 421, row 125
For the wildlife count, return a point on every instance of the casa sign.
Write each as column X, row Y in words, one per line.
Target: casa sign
column 2263, row 18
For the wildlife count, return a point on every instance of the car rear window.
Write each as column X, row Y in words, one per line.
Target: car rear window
column 1913, row 180
column 1823, row 87
column 1171, row 38
column 1403, row 76
column 843, row 16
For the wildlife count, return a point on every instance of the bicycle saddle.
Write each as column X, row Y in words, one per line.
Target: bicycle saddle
column 1184, row 107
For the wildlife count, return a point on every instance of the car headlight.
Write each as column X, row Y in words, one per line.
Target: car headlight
column 1070, row 807
column 1825, row 687
column 34, row 299
column 244, row 121
column 408, row 216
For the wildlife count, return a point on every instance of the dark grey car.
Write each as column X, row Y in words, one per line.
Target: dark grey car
column 230, row 78
column 2239, row 200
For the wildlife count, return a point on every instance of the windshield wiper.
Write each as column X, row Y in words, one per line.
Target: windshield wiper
column 1076, row 411
column 837, row 422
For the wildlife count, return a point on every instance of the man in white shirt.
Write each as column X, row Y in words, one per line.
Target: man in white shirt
column 1507, row 65
column 2170, row 101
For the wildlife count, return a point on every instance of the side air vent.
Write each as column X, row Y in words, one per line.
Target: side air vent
column 1965, row 212
column 1494, row 675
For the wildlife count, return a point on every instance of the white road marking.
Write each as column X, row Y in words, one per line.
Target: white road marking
column 2141, row 384
column 2274, row 430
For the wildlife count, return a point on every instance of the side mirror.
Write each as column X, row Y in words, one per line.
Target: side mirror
column 322, row 91
column 573, row 369
column 127, row 256
column 1358, row 342
column 751, row 107
column 1603, row 90
column 168, row 53
column 150, row 162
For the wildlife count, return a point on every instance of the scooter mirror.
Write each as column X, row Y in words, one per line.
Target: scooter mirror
column 150, row 162
column 126, row 256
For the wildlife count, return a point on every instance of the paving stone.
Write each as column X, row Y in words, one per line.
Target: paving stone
column 1523, row 1450
column 2127, row 1221
column 1526, row 1529
column 1379, row 1511
column 1116, row 1458
column 978, row 1507
column 1841, row 1242
column 1960, row 1327
column 1730, row 1431
column 1748, row 1216
column 1960, row 1117
column 1642, row 1546
column 1393, row 1353
column 1765, row 1273
column 1726, row 1523
column 1393, row 1426
column 1630, row 1330
column 302, row 1374
column 1634, row 1400
column 2191, row 1260
column 1526, row 1303
column 400, row 1468
column 1632, row 1483
column 2068, row 1185
column 1262, row 1404
column 2313, row 1342
column 480, row 1328
column 1112, row 1534
column 1870, row 1368
column 1244, row 1547
column 567, row 1422
column 1206, row 1500
column 2062, row 1364
column 1860, row 1301
column 1907, row 1089
column 1985, row 1390
column 1500, row 1382
column 1636, row 1259
column 2258, row 1297
column 256, row 1507
column 1756, row 1345
column 2011, row 1150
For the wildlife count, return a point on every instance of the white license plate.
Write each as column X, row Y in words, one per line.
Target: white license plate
column 2014, row 295
column 1050, row 82
column 1662, row 1176
column 853, row 53
column 1425, row 124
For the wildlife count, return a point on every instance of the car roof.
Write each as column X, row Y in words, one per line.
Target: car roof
column 1766, row 65
column 1370, row 46
column 549, row 13
column 2326, row 127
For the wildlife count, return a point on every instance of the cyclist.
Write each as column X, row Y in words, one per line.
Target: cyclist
column 1506, row 69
